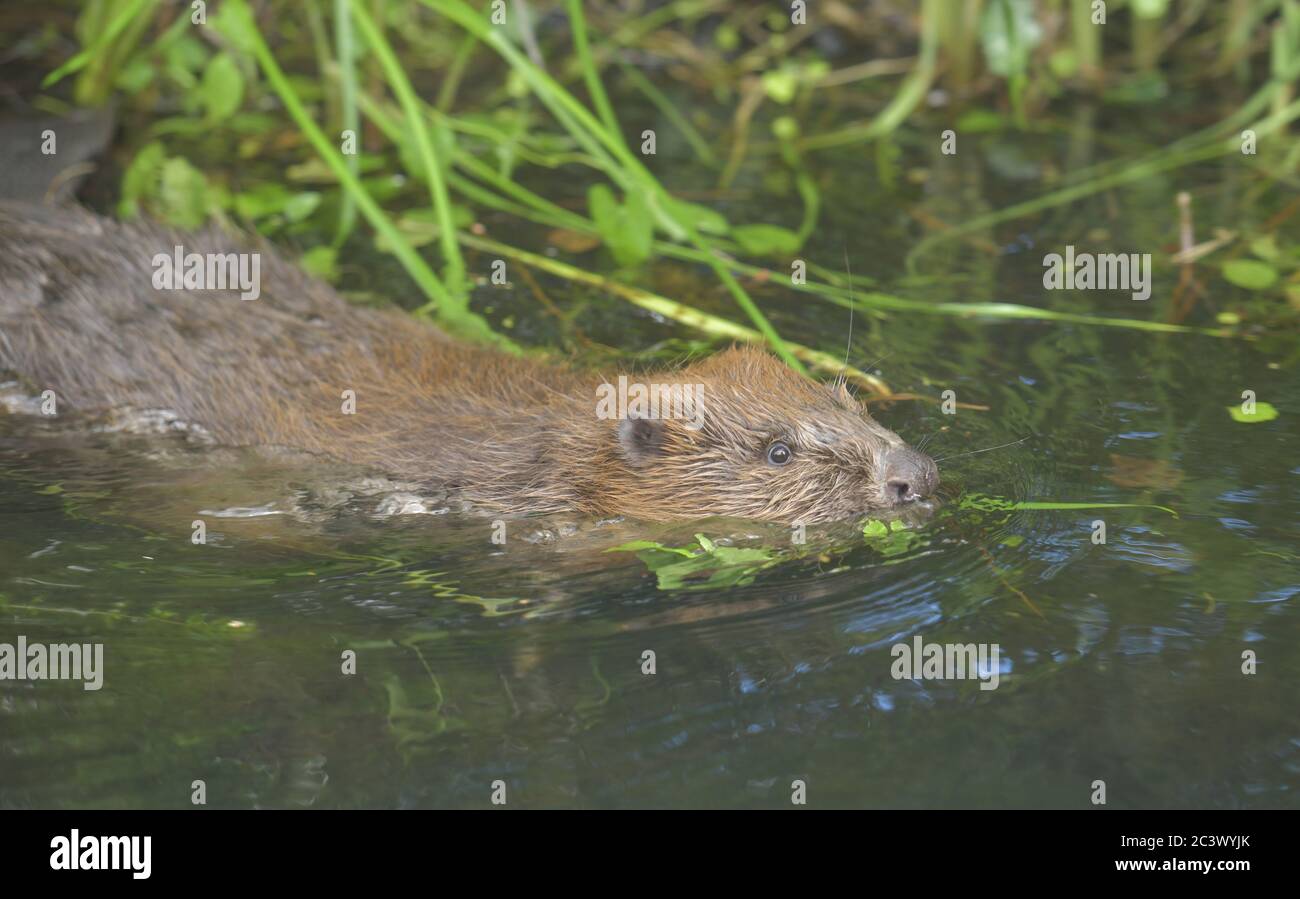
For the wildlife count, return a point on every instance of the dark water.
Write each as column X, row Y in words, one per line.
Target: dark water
column 1119, row 662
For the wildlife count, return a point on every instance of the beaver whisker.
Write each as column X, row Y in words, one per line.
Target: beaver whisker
column 852, row 306
column 987, row 449
column 925, row 441
column 849, row 346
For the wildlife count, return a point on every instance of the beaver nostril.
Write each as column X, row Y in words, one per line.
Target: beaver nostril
column 900, row 491
column 908, row 475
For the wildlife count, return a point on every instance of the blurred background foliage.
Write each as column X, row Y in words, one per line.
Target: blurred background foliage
column 692, row 132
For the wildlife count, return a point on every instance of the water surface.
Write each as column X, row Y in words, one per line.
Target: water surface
column 523, row 662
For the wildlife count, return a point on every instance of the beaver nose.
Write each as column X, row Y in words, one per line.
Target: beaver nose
column 909, row 475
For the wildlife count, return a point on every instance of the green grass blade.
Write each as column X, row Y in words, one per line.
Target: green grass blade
column 459, row 321
column 350, row 116
column 454, row 276
column 130, row 12
column 590, row 74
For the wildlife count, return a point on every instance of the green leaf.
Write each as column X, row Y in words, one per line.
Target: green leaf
column 981, row 121
column 136, row 75
column 321, row 261
column 640, row 233
column 781, row 84
column 702, row 217
column 1150, row 9
column 1064, row 63
column 785, row 128
column 726, row 37
column 732, row 555
column 1263, row 412
column 274, row 199
column 187, row 53
column 602, row 205
column 628, row 230
column 1265, row 247
column 892, row 539
column 707, row 567
column 262, row 200
column 1250, row 274
column 140, row 182
column 183, row 198
column 1009, row 33
column 234, row 22
column 301, row 205
column 222, row 88
column 763, row 240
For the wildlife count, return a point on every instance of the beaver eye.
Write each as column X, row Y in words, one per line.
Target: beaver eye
column 778, row 454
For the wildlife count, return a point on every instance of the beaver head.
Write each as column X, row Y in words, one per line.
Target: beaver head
column 757, row 441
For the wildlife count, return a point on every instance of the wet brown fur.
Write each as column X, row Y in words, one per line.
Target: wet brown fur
column 79, row 315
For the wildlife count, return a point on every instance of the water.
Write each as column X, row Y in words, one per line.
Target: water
column 523, row 663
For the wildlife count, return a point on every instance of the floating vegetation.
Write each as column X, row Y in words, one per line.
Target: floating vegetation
column 705, row 566
column 986, row 503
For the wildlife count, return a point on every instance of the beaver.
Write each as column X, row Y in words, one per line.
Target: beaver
column 84, row 313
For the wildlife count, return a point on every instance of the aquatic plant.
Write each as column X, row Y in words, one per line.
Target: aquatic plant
column 526, row 117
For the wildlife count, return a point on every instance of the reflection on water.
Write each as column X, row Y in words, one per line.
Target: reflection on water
column 526, row 662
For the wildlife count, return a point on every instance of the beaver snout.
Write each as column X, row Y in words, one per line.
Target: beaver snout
column 909, row 475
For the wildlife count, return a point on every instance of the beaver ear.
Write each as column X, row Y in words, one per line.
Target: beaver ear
column 641, row 439
column 840, row 392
